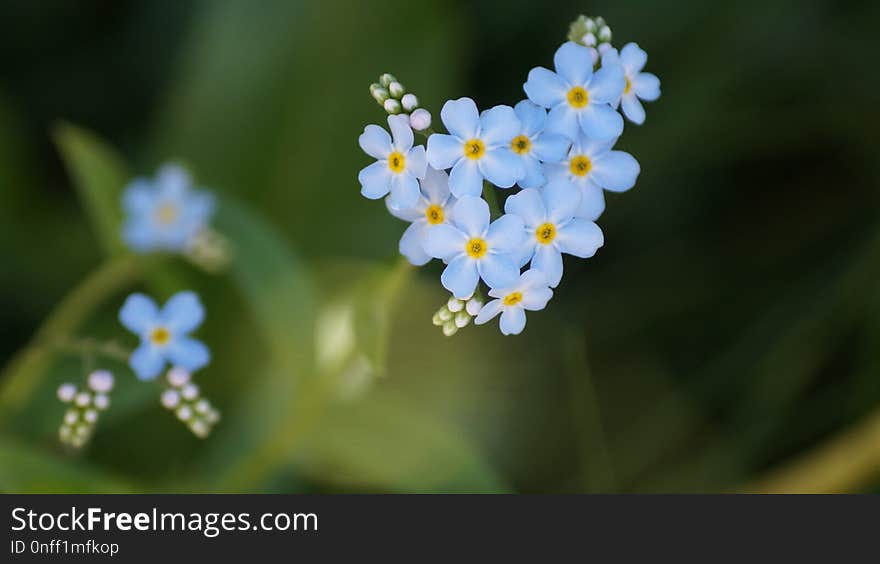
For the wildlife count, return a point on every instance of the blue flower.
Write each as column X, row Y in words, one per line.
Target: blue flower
column 578, row 99
column 475, row 249
column 164, row 214
column 534, row 146
column 478, row 147
column 592, row 166
column 552, row 228
column 433, row 208
column 529, row 292
column 164, row 333
column 639, row 85
column 398, row 164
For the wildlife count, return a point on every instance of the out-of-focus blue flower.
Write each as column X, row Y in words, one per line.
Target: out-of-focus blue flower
column 578, row 99
column 433, row 208
column 398, row 164
column 592, row 166
column 533, row 145
column 475, row 249
column 164, row 333
column 639, row 85
column 552, row 229
column 529, row 292
column 164, row 214
column 477, row 147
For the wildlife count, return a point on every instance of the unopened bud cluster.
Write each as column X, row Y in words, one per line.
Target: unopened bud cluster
column 208, row 250
column 457, row 314
column 591, row 32
column 184, row 398
column 393, row 97
column 85, row 405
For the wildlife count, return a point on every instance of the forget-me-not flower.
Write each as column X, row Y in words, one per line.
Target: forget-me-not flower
column 578, row 98
column 398, row 164
column 478, row 146
column 433, row 208
column 592, row 166
column 639, row 85
column 552, row 228
column 164, row 333
column 529, row 292
column 475, row 249
column 533, row 145
column 164, row 214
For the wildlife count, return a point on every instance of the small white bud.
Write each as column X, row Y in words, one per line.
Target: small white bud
column 590, row 25
column 449, row 328
column 82, row 430
column 396, row 89
column 83, row 399
column 420, row 119
column 170, row 399
column 77, row 441
column 203, row 407
column 474, row 306
column 184, row 413
column 213, row 416
column 594, row 55
column 102, row 401
column 605, row 34
column 386, row 79
column 64, row 432
column 462, row 319
column 437, row 320
column 178, row 377
column 66, row 392
column 379, row 94
column 604, row 47
column 589, row 40
column 199, row 428
column 410, row 102
column 71, row 417
column 391, row 106
column 190, row 392
column 445, row 314
column 454, row 304
column 101, row 381
column 90, row 416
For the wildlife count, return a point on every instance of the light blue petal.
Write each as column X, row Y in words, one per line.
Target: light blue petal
column 488, row 312
column 607, row 85
column 375, row 180
column 545, row 87
column 526, row 251
column 513, row 320
column 406, row 214
column 498, row 270
column 632, row 109
column 466, row 179
column 563, row 120
column 610, row 57
column 550, row 147
column 375, row 142
column 647, row 86
column 616, row 171
column 534, row 172
column 548, row 260
column 461, row 276
column 498, row 126
column 471, row 216
column 461, row 118
column 200, row 206
column 592, row 202
column 445, row 242
column 173, row 180
column 401, row 132
column 507, row 234
column 182, row 313
column 530, row 280
column 435, row 186
column 139, row 197
column 404, row 190
column 579, row 237
column 444, row 151
column 188, row 353
column 536, row 299
column 633, row 58
column 600, row 122
column 138, row 313
column 531, row 116
column 528, row 205
column 412, row 243
column 146, row 362
column 502, row 167
column 416, row 162
column 561, row 199
column 574, row 63
column 139, row 235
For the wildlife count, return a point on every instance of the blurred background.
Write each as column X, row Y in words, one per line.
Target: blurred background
column 726, row 338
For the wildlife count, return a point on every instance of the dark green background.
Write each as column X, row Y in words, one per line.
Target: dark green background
column 730, row 323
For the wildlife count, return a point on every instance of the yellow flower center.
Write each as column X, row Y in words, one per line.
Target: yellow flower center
column 160, row 336
column 513, row 298
column 578, row 97
column 434, row 214
column 166, row 214
column 580, row 165
column 545, row 233
column 396, row 161
column 476, row 248
column 628, row 86
column 521, row 144
column 474, row 149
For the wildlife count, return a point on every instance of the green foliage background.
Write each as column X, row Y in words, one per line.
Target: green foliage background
column 730, row 325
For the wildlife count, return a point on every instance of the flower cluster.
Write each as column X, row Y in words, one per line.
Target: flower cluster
column 85, row 405
column 184, row 398
column 552, row 152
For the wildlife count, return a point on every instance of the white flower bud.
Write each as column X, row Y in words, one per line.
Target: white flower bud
column 437, row 320
column 462, row 319
column 410, row 102
column 379, row 94
column 605, row 34
column 203, row 407
column 66, row 392
column 590, row 25
column 82, row 430
column 213, row 416
column 102, row 401
column 184, row 413
column 604, row 47
column 589, row 40
column 199, row 428
column 169, row 399
column 396, row 90
column 90, row 416
column 178, row 377
column 64, row 432
column 77, row 441
column 190, row 392
column 449, row 328
column 454, row 304
column 101, row 381
column 392, row 106
column 71, row 416
column 420, row 119
column 83, row 399
column 386, row 79
column 474, row 306
column 445, row 314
